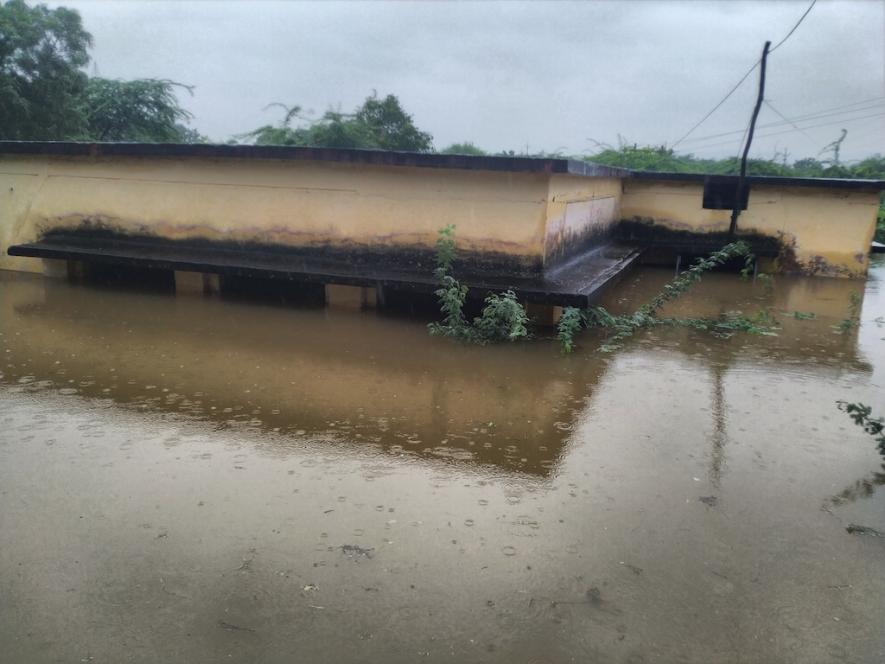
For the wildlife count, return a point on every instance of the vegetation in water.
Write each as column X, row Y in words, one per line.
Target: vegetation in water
column 503, row 318
column 726, row 325
column 850, row 322
column 570, row 323
column 863, row 417
column 624, row 326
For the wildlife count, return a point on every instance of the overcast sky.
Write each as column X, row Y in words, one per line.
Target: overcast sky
column 543, row 76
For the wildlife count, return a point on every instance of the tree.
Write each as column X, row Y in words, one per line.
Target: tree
column 42, row 51
column 376, row 124
column 390, row 126
column 46, row 95
column 466, row 148
column 143, row 110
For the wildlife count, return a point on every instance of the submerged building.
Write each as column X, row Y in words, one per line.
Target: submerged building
column 354, row 222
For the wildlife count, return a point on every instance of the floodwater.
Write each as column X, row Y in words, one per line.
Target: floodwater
column 198, row 480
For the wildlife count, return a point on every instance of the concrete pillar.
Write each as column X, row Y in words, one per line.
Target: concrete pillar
column 196, row 283
column 57, row 268
column 370, row 298
column 211, row 284
column 380, row 297
column 350, row 297
column 766, row 264
column 545, row 315
column 76, row 270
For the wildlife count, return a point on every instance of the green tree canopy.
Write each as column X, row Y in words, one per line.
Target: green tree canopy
column 377, row 124
column 42, row 51
column 390, row 126
column 46, row 95
column 144, row 110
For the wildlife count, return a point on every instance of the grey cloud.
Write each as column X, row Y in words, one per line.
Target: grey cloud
column 506, row 75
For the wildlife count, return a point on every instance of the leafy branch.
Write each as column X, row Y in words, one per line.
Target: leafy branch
column 863, row 417
column 623, row 327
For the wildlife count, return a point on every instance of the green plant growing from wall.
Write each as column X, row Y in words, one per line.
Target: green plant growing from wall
column 451, row 293
column 623, row 327
column 503, row 318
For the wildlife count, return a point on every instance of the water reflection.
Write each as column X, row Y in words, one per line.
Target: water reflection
column 230, row 463
column 862, row 488
column 376, row 382
column 371, row 381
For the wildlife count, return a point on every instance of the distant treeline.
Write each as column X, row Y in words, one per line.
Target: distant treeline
column 653, row 158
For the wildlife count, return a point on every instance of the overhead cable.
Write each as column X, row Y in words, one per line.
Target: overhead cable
column 744, row 77
column 800, row 118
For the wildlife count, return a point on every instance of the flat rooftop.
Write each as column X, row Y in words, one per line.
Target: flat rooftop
column 408, row 159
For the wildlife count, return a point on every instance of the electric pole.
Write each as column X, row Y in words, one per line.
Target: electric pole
column 742, row 178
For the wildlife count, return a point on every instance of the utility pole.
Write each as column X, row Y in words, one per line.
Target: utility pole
column 742, row 178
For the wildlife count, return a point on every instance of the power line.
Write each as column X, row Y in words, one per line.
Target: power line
column 795, row 126
column 798, row 23
column 781, row 133
column 716, row 107
column 787, row 131
column 743, row 78
column 801, row 118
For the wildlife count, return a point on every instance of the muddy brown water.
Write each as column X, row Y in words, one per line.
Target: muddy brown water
column 197, row 480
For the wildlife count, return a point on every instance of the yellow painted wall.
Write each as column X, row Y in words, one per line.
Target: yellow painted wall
column 829, row 230
column 296, row 203
column 20, row 180
column 532, row 217
column 578, row 207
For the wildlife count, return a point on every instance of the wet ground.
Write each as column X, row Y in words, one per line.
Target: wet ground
column 198, row 480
